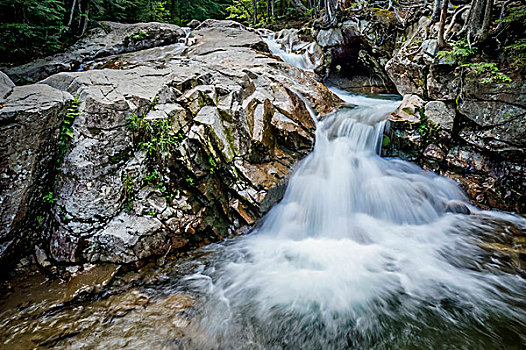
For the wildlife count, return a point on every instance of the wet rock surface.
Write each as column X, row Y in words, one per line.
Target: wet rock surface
column 101, row 307
column 355, row 54
column 153, row 305
column 168, row 152
column 450, row 122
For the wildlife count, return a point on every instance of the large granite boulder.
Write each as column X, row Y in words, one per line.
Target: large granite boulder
column 30, row 120
column 173, row 151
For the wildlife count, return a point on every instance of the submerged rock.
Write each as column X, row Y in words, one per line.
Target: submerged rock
column 457, row 207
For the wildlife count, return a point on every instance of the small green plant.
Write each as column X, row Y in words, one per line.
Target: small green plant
column 134, row 121
column 155, row 179
column 460, row 53
column 154, row 102
column 488, row 71
column 515, row 14
column 129, row 190
column 386, row 141
column 152, row 178
column 161, row 138
column 155, row 137
column 139, row 36
column 61, row 212
column 517, row 52
column 213, row 165
column 39, row 219
column 428, row 130
column 66, row 130
column 49, row 198
column 190, row 181
column 152, row 212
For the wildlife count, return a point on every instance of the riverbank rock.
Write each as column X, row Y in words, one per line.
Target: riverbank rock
column 355, row 53
column 30, row 119
column 172, row 151
column 464, row 128
column 107, row 39
column 6, row 85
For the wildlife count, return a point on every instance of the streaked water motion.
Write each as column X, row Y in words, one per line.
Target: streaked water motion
column 287, row 53
column 362, row 252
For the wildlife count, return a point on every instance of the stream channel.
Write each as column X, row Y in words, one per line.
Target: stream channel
column 363, row 252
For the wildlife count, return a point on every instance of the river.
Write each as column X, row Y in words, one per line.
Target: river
column 363, row 252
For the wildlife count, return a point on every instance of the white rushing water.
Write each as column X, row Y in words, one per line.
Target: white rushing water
column 360, row 253
column 287, row 52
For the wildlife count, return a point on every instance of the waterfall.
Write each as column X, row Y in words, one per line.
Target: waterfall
column 288, row 54
column 362, row 252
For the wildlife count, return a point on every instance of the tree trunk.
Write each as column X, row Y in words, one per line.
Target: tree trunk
column 442, row 25
column 478, row 22
column 83, row 16
column 330, row 12
column 71, row 14
column 255, row 11
column 436, row 11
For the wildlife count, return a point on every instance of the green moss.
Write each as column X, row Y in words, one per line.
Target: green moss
column 427, row 130
column 386, row 141
column 408, row 111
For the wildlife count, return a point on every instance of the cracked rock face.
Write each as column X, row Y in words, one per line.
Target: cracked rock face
column 477, row 131
column 176, row 148
column 30, row 117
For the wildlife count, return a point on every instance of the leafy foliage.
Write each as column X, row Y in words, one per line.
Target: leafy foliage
column 517, row 52
column 49, row 198
column 460, row 53
column 66, row 130
column 515, row 14
column 428, row 130
column 487, row 71
column 213, row 165
column 27, row 26
column 30, row 28
column 238, row 11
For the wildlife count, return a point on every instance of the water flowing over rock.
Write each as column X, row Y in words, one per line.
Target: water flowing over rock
column 371, row 51
column 177, row 147
column 218, row 126
column 362, row 252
